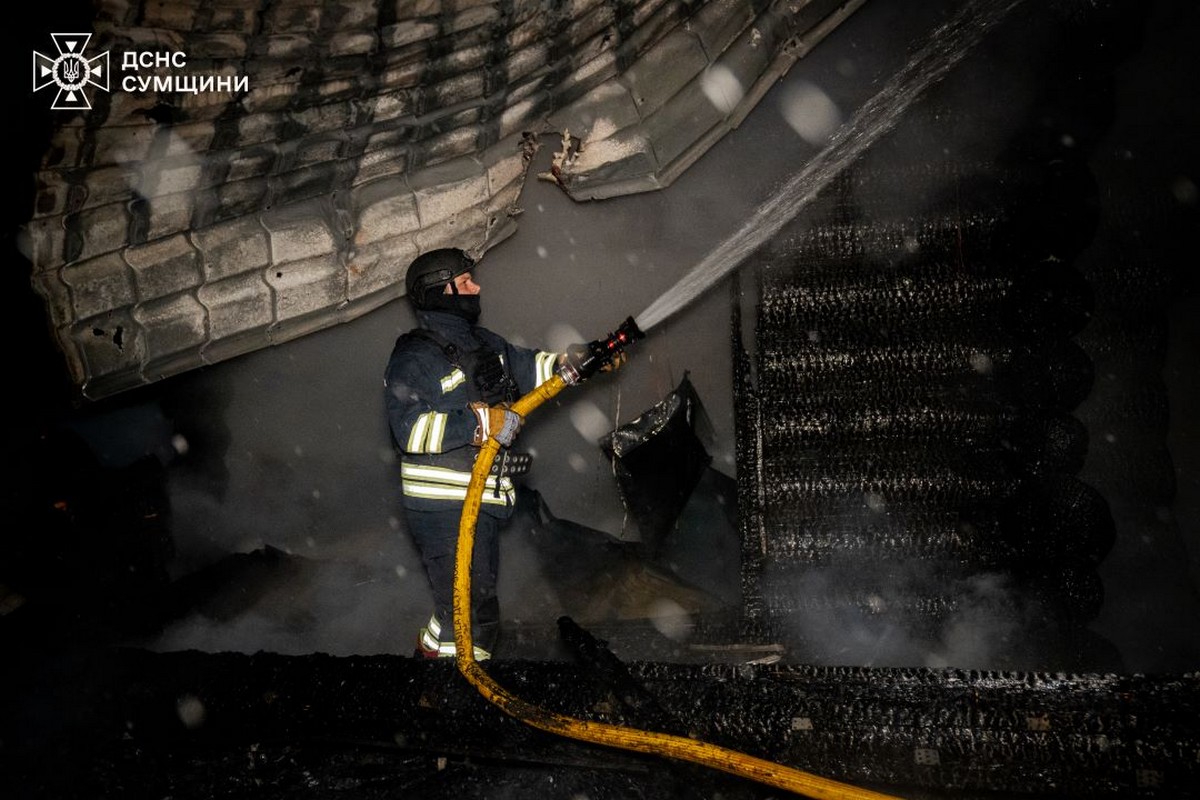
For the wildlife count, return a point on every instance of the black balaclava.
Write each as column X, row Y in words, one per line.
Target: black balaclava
column 461, row 305
column 430, row 274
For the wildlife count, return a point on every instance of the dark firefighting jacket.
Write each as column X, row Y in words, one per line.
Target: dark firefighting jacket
column 432, row 376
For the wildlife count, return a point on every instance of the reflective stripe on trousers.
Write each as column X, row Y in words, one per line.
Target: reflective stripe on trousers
column 431, row 642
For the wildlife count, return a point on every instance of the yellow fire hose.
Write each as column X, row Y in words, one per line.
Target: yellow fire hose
column 678, row 747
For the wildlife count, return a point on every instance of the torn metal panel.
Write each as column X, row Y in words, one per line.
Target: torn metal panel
column 348, row 137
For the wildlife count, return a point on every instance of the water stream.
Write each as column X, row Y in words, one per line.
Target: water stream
column 945, row 48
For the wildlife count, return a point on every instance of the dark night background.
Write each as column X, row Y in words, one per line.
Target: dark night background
column 115, row 534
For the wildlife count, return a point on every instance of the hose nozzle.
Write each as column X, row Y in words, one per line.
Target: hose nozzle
column 601, row 352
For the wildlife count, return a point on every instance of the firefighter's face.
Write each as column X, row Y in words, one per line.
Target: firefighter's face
column 463, row 284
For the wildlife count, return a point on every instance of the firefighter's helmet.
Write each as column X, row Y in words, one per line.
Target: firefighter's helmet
column 433, row 270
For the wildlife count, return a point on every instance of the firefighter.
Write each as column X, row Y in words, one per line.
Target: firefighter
column 447, row 388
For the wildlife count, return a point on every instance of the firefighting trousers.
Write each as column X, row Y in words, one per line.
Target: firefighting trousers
column 436, row 536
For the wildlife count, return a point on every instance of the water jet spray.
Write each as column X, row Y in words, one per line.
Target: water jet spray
column 945, row 48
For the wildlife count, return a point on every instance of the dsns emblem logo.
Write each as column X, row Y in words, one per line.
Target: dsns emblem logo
column 70, row 71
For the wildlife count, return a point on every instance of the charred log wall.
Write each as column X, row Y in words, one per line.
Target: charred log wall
column 917, row 381
column 912, row 450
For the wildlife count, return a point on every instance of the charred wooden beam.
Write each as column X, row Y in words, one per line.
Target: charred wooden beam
column 189, row 724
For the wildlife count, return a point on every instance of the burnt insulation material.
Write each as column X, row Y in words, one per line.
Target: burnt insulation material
column 658, row 458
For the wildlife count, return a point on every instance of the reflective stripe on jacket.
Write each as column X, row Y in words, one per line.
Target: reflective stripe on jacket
column 440, row 483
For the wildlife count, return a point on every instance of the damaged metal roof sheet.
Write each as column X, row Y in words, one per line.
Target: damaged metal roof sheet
column 256, row 173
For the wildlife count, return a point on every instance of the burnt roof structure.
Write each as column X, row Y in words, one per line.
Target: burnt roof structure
column 244, row 174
